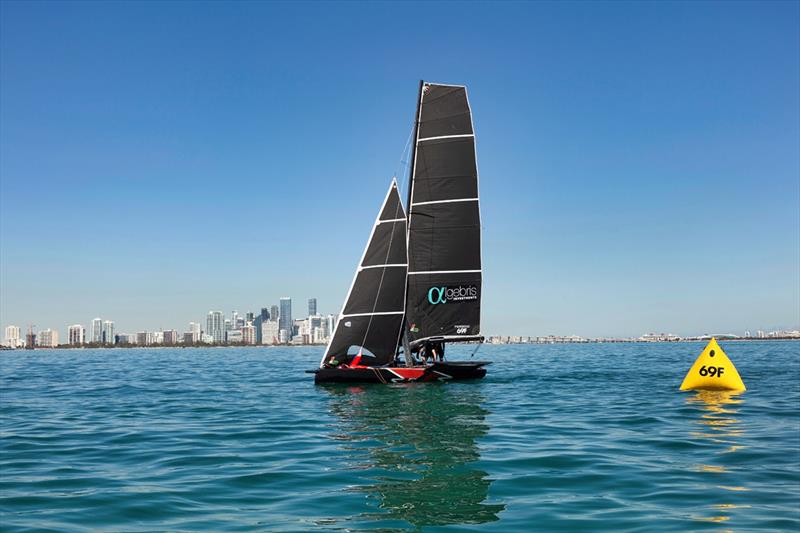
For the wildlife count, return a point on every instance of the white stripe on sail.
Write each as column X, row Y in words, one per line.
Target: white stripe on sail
column 373, row 314
column 443, row 272
column 445, row 201
column 381, row 266
column 460, row 136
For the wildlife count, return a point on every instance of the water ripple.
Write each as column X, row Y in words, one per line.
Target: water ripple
column 572, row 437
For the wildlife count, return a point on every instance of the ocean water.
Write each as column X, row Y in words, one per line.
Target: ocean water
column 560, row 437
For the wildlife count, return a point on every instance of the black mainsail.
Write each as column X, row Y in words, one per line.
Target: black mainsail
column 373, row 310
column 443, row 296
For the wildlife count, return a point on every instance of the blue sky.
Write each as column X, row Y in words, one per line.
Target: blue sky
column 640, row 162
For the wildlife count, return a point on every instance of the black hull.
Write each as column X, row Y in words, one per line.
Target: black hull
column 440, row 371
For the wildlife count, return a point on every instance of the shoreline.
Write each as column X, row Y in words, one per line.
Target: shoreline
column 194, row 346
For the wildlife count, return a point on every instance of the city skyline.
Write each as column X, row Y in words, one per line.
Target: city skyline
column 217, row 326
column 247, row 328
column 630, row 181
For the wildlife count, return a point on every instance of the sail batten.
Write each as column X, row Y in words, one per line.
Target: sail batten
column 443, row 291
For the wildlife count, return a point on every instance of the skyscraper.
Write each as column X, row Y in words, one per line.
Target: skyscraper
column 97, row 330
column 312, row 306
column 108, row 332
column 285, row 317
column 274, row 313
column 215, row 326
column 77, row 335
column 12, row 339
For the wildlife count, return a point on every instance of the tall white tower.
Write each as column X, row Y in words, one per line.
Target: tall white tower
column 97, row 330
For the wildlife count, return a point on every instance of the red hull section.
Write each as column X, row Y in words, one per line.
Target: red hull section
column 440, row 371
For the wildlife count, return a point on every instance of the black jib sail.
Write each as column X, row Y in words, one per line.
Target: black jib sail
column 444, row 227
column 373, row 309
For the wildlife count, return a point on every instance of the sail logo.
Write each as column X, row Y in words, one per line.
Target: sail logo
column 460, row 293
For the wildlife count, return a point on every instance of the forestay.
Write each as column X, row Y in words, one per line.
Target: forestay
column 373, row 309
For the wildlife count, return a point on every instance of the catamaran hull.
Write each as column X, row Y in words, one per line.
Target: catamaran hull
column 443, row 371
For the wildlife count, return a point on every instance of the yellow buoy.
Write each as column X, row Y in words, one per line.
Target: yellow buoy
column 713, row 371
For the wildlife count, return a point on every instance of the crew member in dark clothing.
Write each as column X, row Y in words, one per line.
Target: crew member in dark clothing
column 426, row 352
column 439, row 348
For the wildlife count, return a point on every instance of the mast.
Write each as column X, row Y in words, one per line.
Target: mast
column 403, row 340
column 414, row 148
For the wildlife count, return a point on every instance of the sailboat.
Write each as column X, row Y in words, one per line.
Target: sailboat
column 417, row 287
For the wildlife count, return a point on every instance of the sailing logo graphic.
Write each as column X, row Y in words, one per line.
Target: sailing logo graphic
column 461, row 293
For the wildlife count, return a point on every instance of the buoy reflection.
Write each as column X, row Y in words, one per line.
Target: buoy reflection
column 718, row 423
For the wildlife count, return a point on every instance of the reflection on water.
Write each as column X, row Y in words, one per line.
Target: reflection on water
column 417, row 444
column 719, row 425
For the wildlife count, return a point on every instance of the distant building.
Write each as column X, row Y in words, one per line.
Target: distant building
column 143, row 338
column 249, row 333
column 77, row 335
column 319, row 336
column 30, row 339
column 108, row 332
column 12, row 338
column 300, row 327
column 193, row 336
column 300, row 340
column 312, row 306
column 126, row 338
column 234, row 336
column 258, row 321
column 274, row 313
column 659, row 337
column 157, row 337
column 285, row 317
column 48, row 338
column 170, row 337
column 270, row 332
column 284, row 336
column 215, row 326
column 317, row 327
column 331, row 319
column 97, row 331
